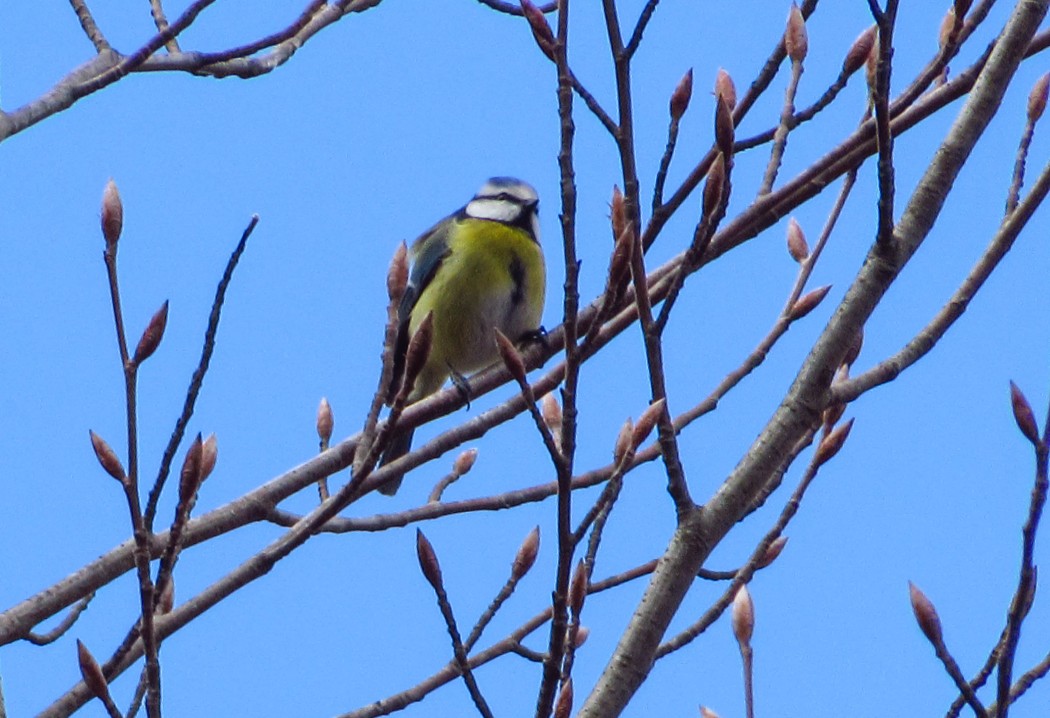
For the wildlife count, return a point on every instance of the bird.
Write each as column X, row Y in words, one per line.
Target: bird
column 477, row 270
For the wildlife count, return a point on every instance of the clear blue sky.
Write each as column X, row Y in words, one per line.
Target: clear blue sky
column 376, row 128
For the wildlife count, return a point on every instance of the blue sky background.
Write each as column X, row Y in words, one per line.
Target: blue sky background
column 376, row 128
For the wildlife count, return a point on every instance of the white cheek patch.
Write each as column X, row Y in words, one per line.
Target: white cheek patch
column 494, row 209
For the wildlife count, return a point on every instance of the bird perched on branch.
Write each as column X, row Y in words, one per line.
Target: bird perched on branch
column 478, row 270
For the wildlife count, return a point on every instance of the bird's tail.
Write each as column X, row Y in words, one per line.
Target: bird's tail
column 399, row 445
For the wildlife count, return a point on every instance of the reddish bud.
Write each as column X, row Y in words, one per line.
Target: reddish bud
column 578, row 588
column 798, row 248
column 620, row 259
column 871, row 64
column 743, row 616
column 1037, row 98
column 947, row 25
column 708, row 713
column 808, row 302
column 646, row 422
column 397, row 275
column 209, row 455
column 325, row 421
column 832, row 415
column 683, row 92
column 112, row 215
column 151, row 337
column 190, row 476
column 541, row 31
column 465, row 462
column 91, row 672
column 796, row 41
column 725, row 88
column 725, row 131
column 617, row 214
column 511, row 357
column 551, row 412
column 582, row 634
column 107, row 457
column 418, row 351
column 527, row 553
column 773, row 551
column 1023, row 414
column 859, row 51
column 714, row 188
column 623, row 448
column 1029, row 594
column 166, row 598
column 832, row 443
column 428, row 562
column 925, row 614
column 563, row 707
column 854, row 348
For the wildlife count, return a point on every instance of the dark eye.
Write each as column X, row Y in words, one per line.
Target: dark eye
column 504, row 197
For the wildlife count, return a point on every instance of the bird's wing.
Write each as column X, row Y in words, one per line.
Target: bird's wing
column 428, row 252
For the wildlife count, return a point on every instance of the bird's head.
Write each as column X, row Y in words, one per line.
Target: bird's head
column 507, row 200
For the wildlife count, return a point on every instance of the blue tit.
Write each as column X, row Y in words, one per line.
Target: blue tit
column 479, row 269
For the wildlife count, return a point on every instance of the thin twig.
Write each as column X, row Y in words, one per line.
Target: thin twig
column 567, row 441
column 780, row 135
column 639, row 28
column 1021, row 601
column 886, row 20
column 746, row 571
column 161, row 21
column 1001, row 243
column 87, row 23
column 193, row 391
column 42, row 639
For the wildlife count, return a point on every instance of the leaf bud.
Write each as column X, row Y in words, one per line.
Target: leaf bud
column 646, row 422
column 624, row 447
column 190, row 475
column 91, row 672
column 397, row 274
column 832, row 443
column 563, row 707
column 112, row 215
column 209, row 455
column 714, row 187
column 683, row 92
column 1023, row 414
column 808, row 302
column 152, row 335
column 798, row 248
column 1037, row 98
column 859, row 51
column 551, row 412
column 617, row 213
column 725, row 88
column 925, row 614
column 527, row 553
column 418, row 351
column 725, row 131
column 743, row 616
column 541, row 31
column 465, row 462
column 511, row 357
column 796, row 41
column 107, row 457
column 325, row 421
column 428, row 562
column 773, row 551
column 578, row 588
